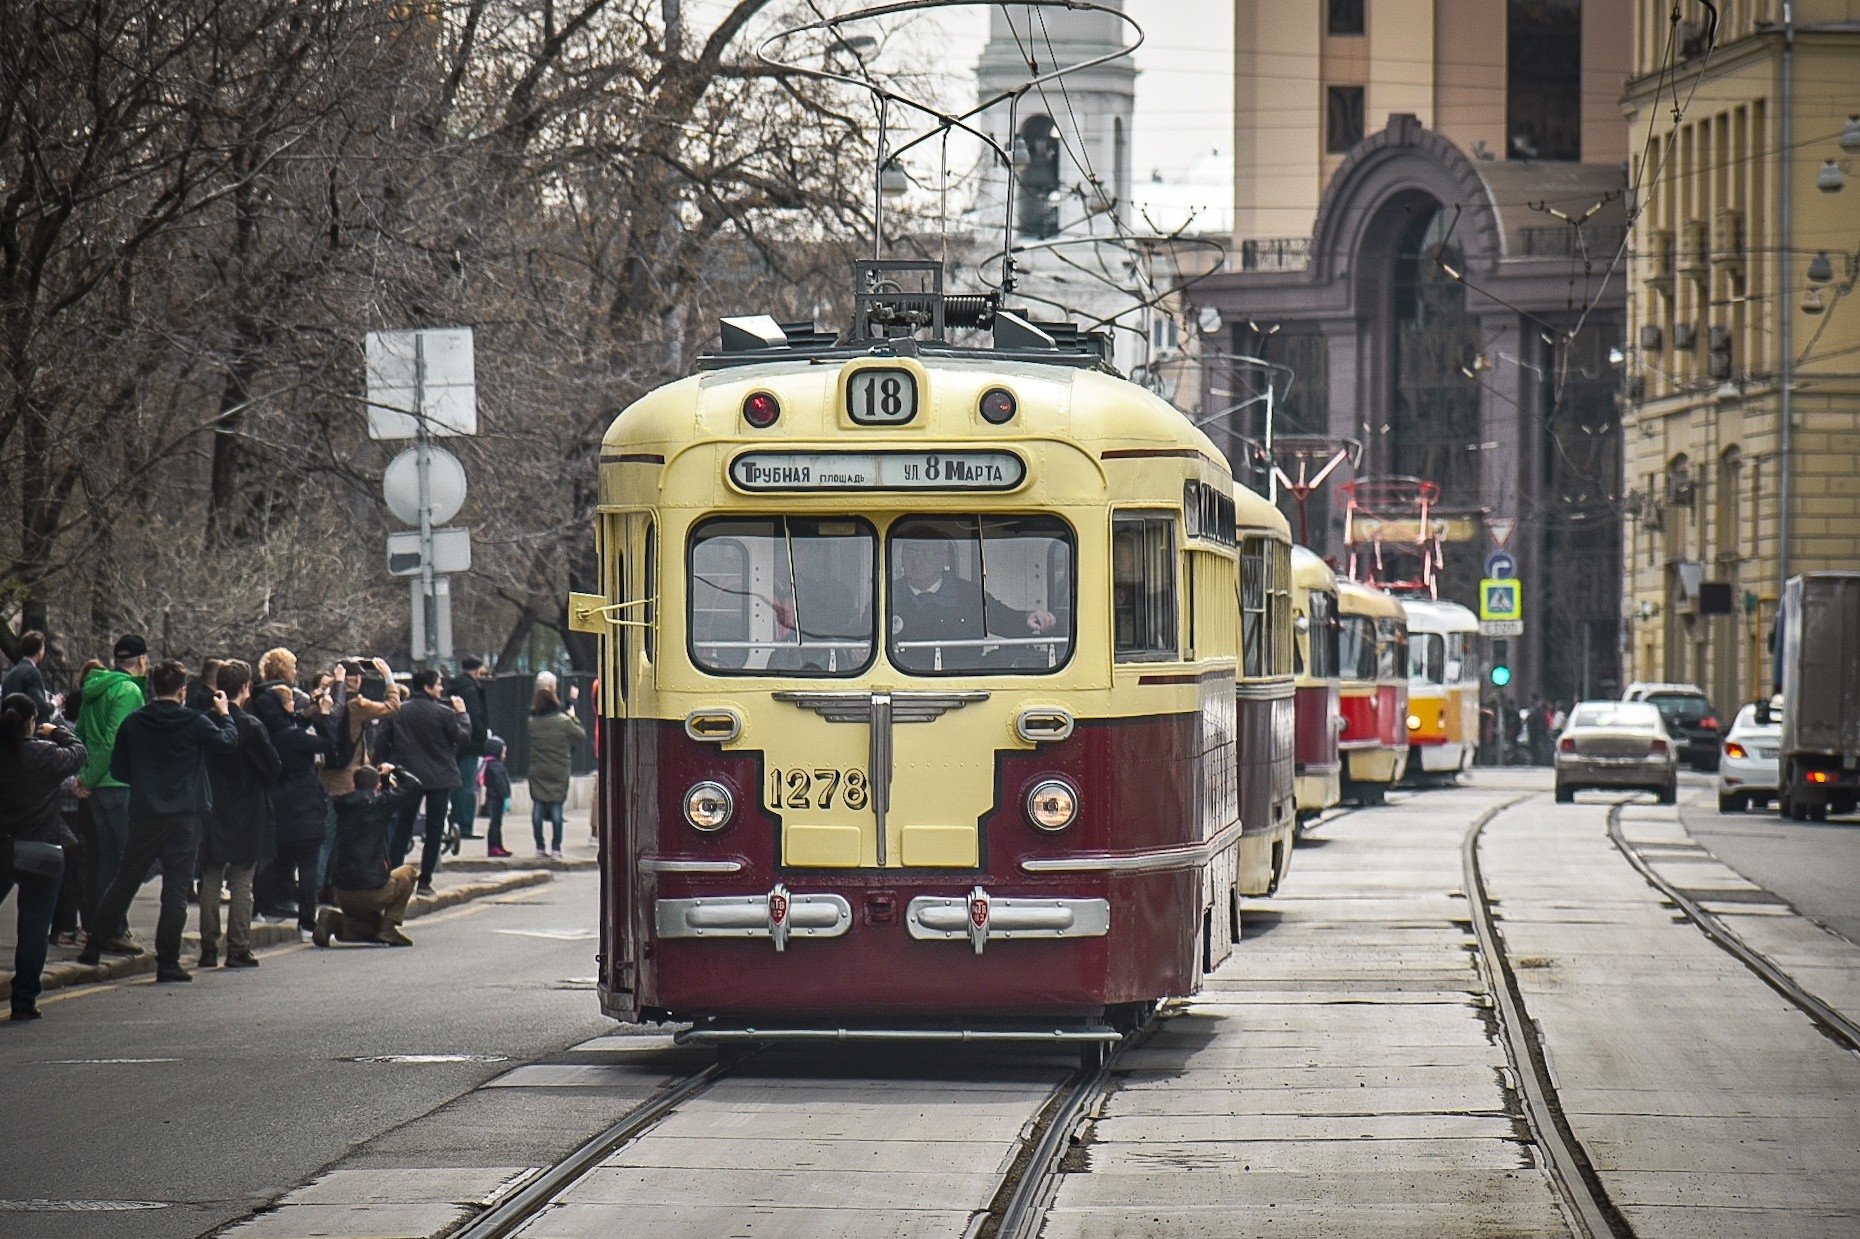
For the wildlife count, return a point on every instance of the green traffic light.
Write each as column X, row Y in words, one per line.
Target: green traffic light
column 1501, row 676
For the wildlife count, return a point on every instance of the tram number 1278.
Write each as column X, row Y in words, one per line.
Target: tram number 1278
column 817, row 788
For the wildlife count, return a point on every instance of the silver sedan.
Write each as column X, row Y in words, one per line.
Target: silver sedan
column 1616, row 744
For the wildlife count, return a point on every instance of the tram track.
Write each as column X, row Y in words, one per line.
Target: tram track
column 1831, row 1022
column 1015, row 1210
column 1585, row 1203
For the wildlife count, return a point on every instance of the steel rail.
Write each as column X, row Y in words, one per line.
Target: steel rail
column 1033, row 1191
column 506, row 1216
column 1831, row 1022
column 1584, row 1202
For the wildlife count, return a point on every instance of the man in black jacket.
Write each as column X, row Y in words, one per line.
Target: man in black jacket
column 428, row 732
column 467, row 686
column 372, row 897
column 239, row 831
column 160, row 753
column 25, row 677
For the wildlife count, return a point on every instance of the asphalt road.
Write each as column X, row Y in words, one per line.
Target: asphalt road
column 1810, row 865
column 242, row 1085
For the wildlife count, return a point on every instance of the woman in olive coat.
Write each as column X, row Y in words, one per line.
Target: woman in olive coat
column 553, row 733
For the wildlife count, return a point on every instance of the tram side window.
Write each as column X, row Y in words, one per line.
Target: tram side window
column 782, row 596
column 1143, row 609
column 1279, row 607
column 649, row 588
column 1321, row 635
column 1392, row 650
column 1255, row 628
column 977, row 594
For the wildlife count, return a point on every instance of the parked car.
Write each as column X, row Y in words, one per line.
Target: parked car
column 1748, row 768
column 1616, row 744
column 1689, row 718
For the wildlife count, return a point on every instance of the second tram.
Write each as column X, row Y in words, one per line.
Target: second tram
column 1373, row 693
column 1318, row 768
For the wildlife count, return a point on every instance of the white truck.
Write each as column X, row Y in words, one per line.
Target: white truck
column 1819, row 760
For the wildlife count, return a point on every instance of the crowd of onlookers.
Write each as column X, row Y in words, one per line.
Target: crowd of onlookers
column 290, row 797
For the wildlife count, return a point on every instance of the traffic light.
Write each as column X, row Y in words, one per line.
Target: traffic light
column 1501, row 663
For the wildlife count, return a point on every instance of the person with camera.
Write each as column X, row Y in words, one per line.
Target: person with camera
column 302, row 728
column 371, row 898
column 160, row 754
column 428, row 733
column 238, row 837
column 353, row 712
column 35, row 759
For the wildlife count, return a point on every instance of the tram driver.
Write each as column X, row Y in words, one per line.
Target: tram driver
column 931, row 603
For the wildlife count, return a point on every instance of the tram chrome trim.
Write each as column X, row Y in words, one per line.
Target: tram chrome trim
column 716, row 1036
column 906, row 706
column 1182, row 856
column 776, row 915
column 978, row 918
column 878, row 776
column 657, row 864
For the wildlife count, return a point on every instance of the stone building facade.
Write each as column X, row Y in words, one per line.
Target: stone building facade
column 1740, row 301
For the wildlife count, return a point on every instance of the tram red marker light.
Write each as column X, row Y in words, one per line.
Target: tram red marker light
column 760, row 409
column 998, row 406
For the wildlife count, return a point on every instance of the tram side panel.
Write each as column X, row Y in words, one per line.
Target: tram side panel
column 1318, row 766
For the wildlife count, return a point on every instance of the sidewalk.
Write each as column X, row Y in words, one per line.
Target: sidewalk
column 455, row 883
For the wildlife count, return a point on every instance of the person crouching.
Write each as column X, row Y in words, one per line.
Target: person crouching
column 371, row 898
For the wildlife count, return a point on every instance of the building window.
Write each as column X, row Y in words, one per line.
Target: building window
column 1346, row 17
column 1345, row 112
column 1543, row 79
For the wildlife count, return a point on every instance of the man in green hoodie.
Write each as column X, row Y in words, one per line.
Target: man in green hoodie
column 109, row 698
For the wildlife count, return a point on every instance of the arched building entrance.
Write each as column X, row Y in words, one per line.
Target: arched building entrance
column 1449, row 318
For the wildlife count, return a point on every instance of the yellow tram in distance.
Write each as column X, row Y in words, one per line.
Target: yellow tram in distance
column 1443, row 688
column 926, row 709
column 1372, row 658
column 1318, row 769
column 1267, row 706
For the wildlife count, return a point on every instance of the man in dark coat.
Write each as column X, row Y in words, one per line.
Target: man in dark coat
column 160, row 753
column 468, row 686
column 35, row 758
column 24, row 676
column 372, row 898
column 427, row 734
column 301, row 730
column 239, row 829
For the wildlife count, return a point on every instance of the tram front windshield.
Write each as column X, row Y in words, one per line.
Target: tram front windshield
column 1356, row 647
column 965, row 595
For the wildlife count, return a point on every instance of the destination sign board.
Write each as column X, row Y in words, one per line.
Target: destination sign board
column 914, row 470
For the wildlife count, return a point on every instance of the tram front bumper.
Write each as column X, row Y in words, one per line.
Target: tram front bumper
column 977, row 918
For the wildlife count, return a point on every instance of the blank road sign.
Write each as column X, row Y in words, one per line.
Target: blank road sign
column 451, row 552
column 435, row 364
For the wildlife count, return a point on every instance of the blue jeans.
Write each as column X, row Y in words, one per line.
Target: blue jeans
column 109, row 812
column 329, row 847
column 465, row 798
column 37, row 897
column 550, row 810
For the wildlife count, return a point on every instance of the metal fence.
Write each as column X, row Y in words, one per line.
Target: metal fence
column 509, row 697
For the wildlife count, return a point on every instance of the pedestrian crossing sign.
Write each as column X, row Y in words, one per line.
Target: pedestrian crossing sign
column 1501, row 598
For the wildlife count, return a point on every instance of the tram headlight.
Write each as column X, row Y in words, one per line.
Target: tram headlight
column 761, row 409
column 709, row 806
column 1052, row 804
column 1414, row 722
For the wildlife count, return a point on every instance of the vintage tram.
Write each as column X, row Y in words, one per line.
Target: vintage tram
column 1318, row 768
column 1443, row 689
column 925, row 711
column 1372, row 694
column 1267, row 705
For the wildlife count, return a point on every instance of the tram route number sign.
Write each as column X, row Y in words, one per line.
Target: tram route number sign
column 858, row 471
column 1501, row 598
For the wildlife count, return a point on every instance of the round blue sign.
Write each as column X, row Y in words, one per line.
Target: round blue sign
column 1500, row 566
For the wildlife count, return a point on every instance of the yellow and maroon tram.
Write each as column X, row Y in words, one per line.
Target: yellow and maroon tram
column 1318, row 768
column 1267, row 718
column 1373, row 690
column 1443, row 688
column 924, row 707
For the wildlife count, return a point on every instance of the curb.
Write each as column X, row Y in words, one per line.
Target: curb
column 506, row 864
column 64, row 973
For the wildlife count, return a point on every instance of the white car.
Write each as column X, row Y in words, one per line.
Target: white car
column 1747, row 771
